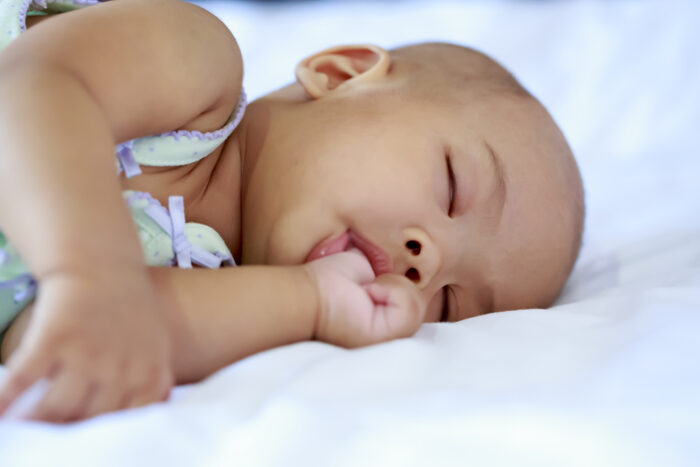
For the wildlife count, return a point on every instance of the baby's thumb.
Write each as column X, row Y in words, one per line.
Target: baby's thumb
column 399, row 308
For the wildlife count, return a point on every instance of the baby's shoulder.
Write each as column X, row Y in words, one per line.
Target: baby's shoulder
column 152, row 65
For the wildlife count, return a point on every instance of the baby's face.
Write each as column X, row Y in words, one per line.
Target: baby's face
column 464, row 197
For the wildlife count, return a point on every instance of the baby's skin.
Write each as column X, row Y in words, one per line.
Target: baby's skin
column 380, row 190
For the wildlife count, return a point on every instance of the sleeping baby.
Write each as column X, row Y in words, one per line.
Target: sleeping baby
column 380, row 190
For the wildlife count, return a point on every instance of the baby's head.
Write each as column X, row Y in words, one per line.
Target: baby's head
column 432, row 152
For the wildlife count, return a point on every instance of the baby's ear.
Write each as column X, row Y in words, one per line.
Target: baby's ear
column 342, row 67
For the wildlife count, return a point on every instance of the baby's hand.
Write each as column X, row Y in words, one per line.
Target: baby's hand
column 357, row 308
column 99, row 339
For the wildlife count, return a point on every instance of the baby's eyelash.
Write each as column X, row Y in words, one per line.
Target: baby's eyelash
column 445, row 306
column 451, row 184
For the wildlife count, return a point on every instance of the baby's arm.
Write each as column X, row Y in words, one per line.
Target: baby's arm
column 71, row 88
column 216, row 317
column 213, row 318
column 77, row 84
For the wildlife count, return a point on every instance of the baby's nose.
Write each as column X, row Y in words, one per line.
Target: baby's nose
column 422, row 257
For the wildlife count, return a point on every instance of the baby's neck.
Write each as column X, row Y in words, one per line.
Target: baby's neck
column 218, row 203
column 255, row 123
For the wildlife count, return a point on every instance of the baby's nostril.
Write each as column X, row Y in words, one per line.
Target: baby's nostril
column 413, row 275
column 414, row 246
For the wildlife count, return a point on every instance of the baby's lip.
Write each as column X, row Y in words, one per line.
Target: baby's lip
column 329, row 246
column 380, row 261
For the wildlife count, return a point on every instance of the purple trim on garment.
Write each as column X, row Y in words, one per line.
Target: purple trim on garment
column 204, row 258
column 181, row 246
column 6, row 284
column 3, row 256
column 174, row 225
column 127, row 163
column 212, row 135
column 125, row 151
column 22, row 15
column 43, row 4
column 24, row 293
column 137, row 195
column 29, row 288
column 226, row 259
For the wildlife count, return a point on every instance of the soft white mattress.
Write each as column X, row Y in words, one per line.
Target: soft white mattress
column 610, row 376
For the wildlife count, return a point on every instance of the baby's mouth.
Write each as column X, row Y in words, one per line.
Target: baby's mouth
column 330, row 247
column 380, row 261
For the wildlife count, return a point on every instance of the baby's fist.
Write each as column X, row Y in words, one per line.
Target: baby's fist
column 356, row 308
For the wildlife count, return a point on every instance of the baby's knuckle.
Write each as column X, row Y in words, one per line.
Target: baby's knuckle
column 17, row 380
column 132, row 377
column 116, row 370
column 89, row 348
column 57, row 414
column 57, row 339
column 120, row 366
column 49, row 412
column 47, row 415
column 164, row 376
column 75, row 355
column 162, row 380
column 146, row 378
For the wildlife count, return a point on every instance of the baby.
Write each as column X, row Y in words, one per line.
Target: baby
column 381, row 190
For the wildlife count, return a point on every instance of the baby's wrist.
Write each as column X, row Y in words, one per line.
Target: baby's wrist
column 82, row 259
column 313, row 294
column 80, row 268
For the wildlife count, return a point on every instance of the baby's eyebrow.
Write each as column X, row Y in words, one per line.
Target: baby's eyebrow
column 498, row 195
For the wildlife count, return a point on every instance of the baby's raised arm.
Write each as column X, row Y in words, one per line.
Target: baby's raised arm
column 70, row 89
column 76, row 85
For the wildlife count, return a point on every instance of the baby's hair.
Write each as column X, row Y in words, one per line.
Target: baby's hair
column 463, row 65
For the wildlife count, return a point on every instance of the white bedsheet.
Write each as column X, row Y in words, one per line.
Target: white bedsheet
column 610, row 376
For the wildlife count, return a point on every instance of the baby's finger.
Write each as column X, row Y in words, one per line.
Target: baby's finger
column 25, row 367
column 351, row 263
column 144, row 397
column 156, row 390
column 361, row 272
column 107, row 398
column 63, row 400
column 398, row 307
